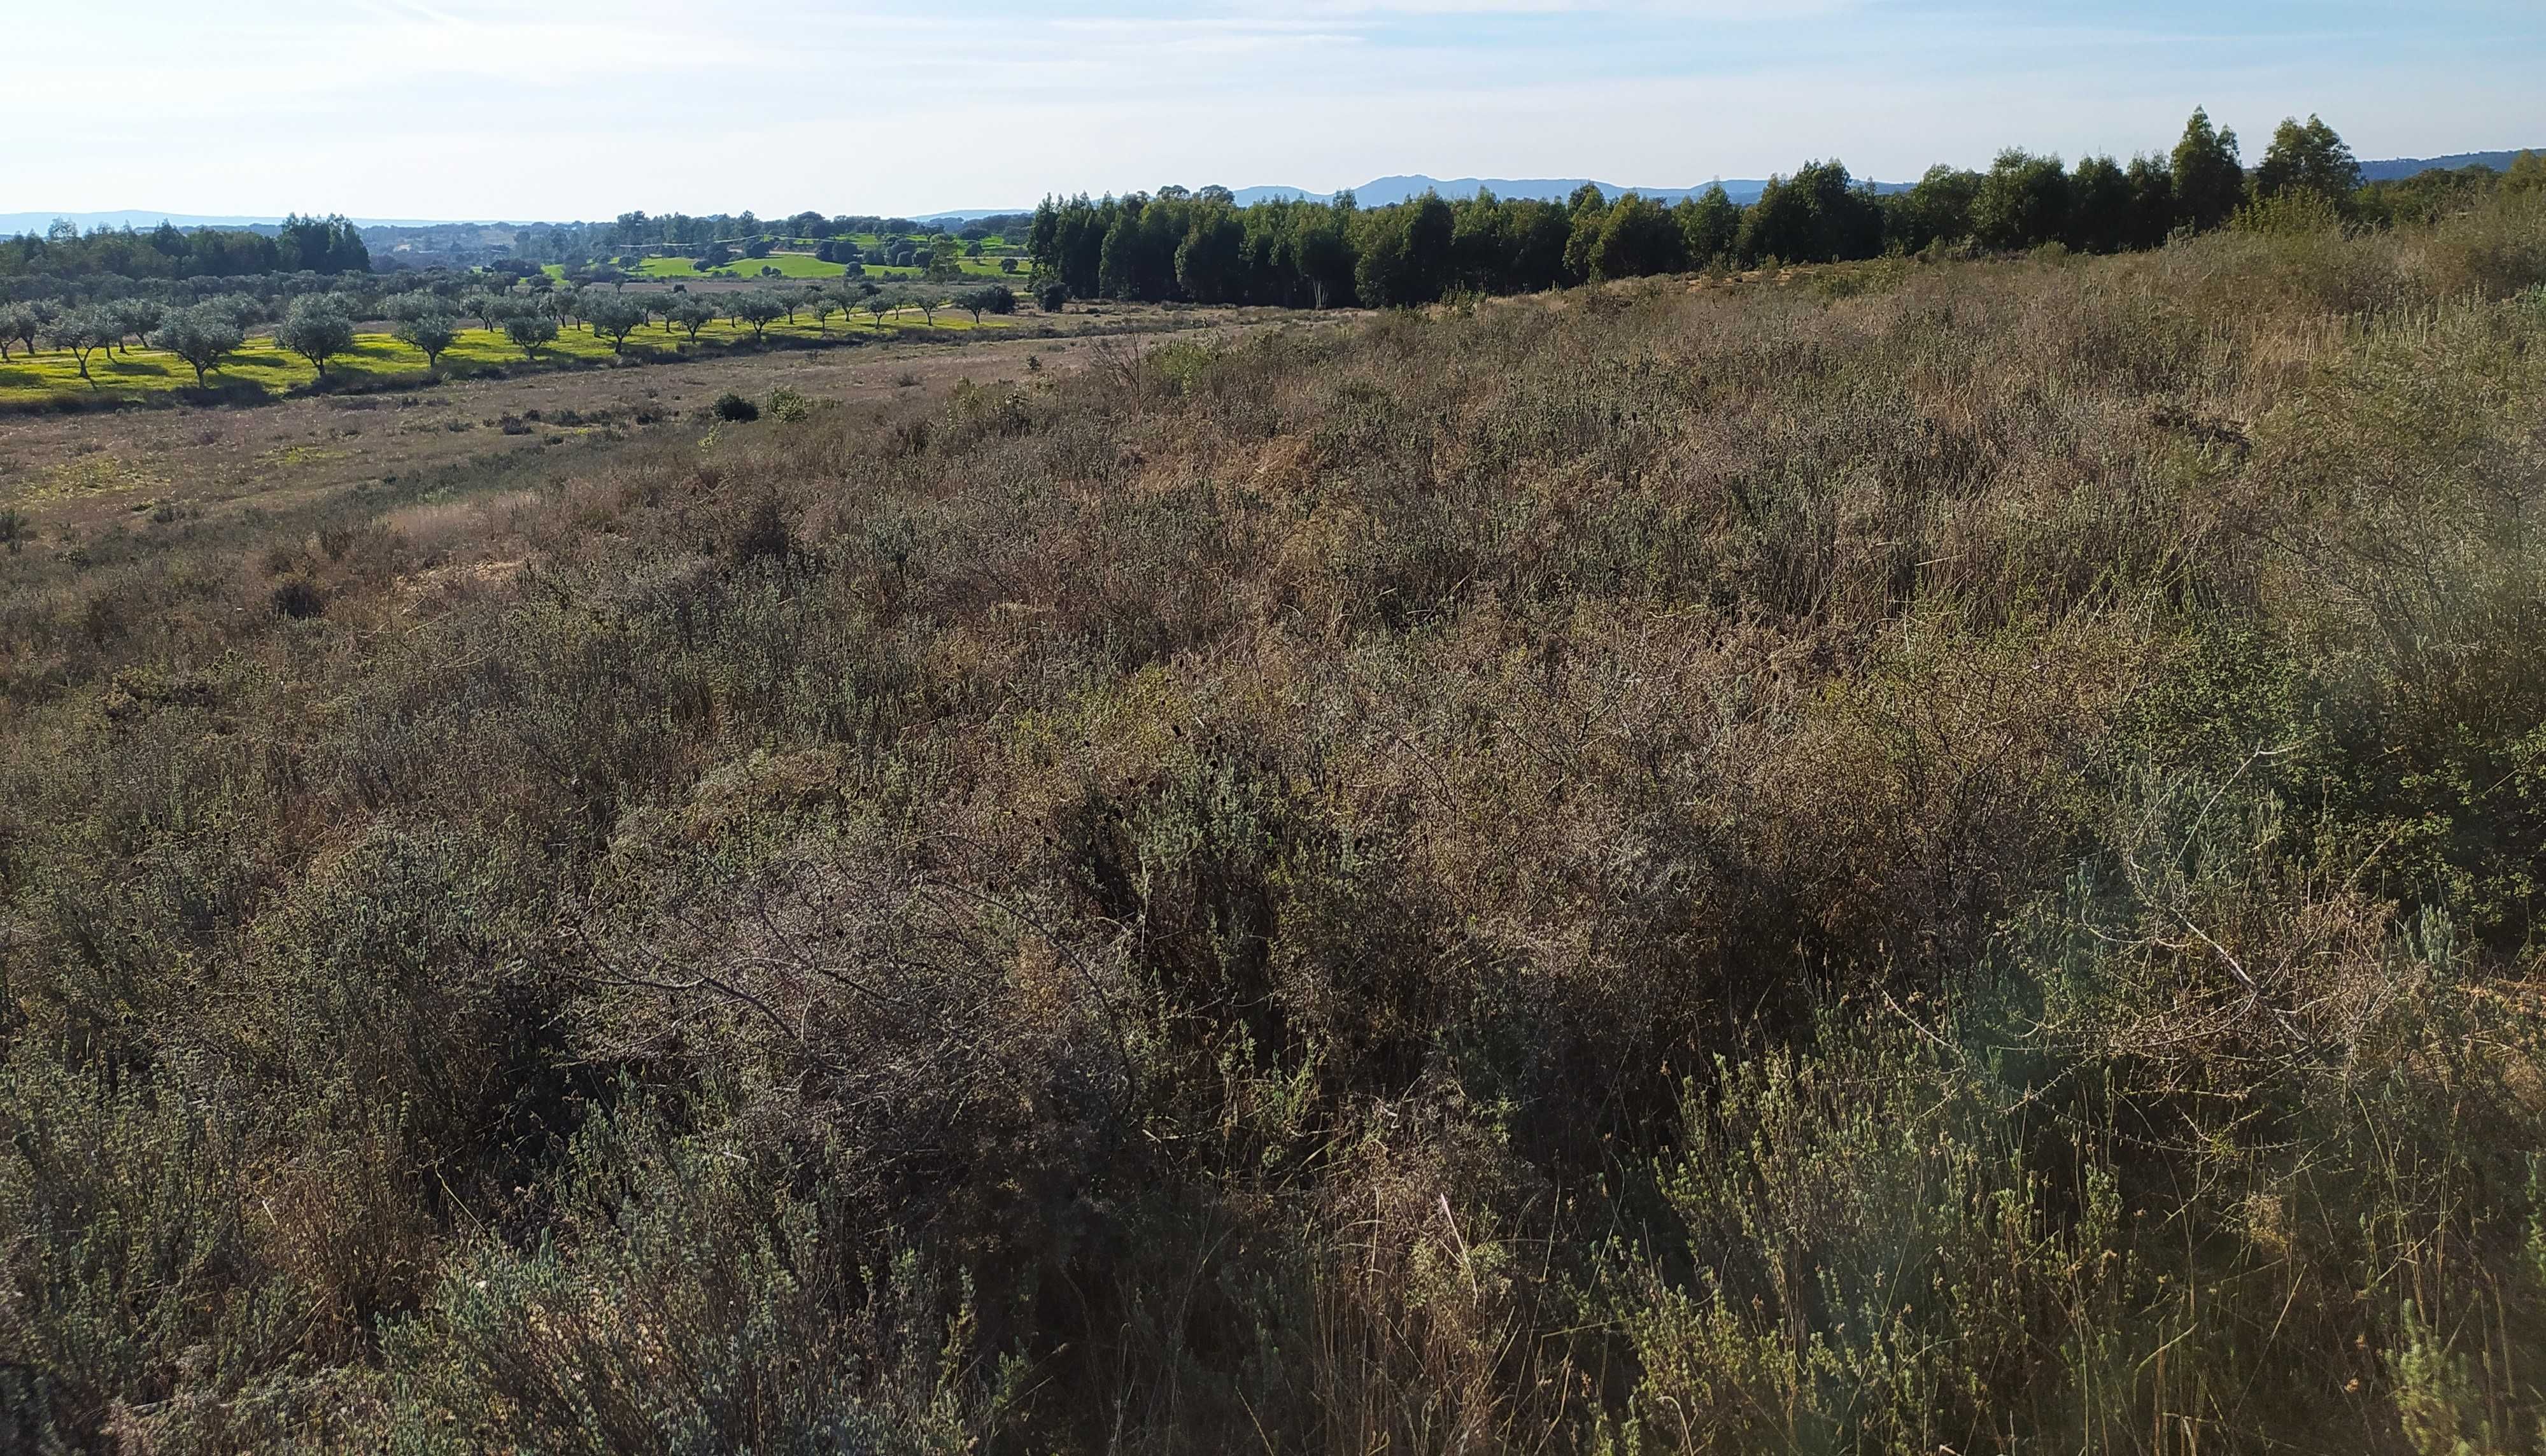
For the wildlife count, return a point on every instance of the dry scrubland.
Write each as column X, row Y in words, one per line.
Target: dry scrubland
column 1941, row 858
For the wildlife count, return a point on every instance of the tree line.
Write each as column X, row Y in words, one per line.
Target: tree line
column 682, row 233
column 1200, row 246
column 321, row 327
column 322, row 245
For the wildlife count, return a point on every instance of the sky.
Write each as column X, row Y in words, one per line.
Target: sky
column 521, row 110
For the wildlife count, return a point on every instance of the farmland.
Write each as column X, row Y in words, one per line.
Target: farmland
column 377, row 356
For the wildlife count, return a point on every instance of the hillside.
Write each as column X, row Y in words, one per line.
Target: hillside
column 1903, row 857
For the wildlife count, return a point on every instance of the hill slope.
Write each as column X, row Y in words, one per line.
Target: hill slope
column 1903, row 858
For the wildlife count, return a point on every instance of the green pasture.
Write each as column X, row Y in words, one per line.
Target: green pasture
column 26, row 378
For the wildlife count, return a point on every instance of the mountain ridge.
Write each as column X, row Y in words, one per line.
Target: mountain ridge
column 1379, row 191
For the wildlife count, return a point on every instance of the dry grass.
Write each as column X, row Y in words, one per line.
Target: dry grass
column 1942, row 858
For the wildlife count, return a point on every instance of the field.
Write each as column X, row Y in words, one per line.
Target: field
column 804, row 266
column 1908, row 857
column 44, row 378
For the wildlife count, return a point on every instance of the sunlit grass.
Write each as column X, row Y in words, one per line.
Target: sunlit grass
column 376, row 356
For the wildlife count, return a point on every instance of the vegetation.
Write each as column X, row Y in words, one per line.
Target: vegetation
column 1200, row 248
column 1943, row 857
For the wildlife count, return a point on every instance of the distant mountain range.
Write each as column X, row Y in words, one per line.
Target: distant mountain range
column 2402, row 167
column 1378, row 193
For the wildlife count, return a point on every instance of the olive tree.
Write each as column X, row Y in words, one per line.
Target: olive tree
column 615, row 317
column 135, row 318
column 431, row 332
column 995, row 298
column 83, row 331
column 528, row 331
column 317, row 329
column 881, row 302
column 202, row 336
column 759, row 308
column 690, row 313
column 19, row 325
column 487, row 306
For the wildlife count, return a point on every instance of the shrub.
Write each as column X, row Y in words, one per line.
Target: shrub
column 734, row 409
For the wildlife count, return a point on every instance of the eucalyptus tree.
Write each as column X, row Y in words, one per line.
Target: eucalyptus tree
column 2308, row 159
column 2209, row 180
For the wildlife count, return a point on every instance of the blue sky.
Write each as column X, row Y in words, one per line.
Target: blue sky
column 520, row 109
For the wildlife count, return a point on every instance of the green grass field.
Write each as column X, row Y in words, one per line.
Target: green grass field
column 33, row 379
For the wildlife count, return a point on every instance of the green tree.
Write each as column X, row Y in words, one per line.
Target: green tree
column 2022, row 202
column 19, row 325
column 881, row 302
column 82, row 331
column 530, row 331
column 431, row 332
column 689, row 313
column 136, row 319
column 995, row 298
column 757, row 310
column 2307, row 160
column 202, row 336
column 316, row 328
column 2153, row 202
column 1709, row 223
column 2209, row 180
column 1637, row 239
column 2099, row 205
column 1939, row 210
column 485, row 306
column 1818, row 215
column 613, row 316
column 2527, row 174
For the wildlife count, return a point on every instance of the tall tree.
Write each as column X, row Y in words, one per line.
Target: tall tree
column 2209, row 180
column 2307, row 160
column 2022, row 202
column 1637, row 239
column 2099, row 207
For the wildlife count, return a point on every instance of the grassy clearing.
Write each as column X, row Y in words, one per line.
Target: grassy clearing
column 43, row 376
column 1941, row 858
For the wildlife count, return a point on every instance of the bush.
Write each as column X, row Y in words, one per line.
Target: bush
column 734, row 409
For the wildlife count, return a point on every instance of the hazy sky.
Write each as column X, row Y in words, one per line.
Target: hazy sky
column 558, row 109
